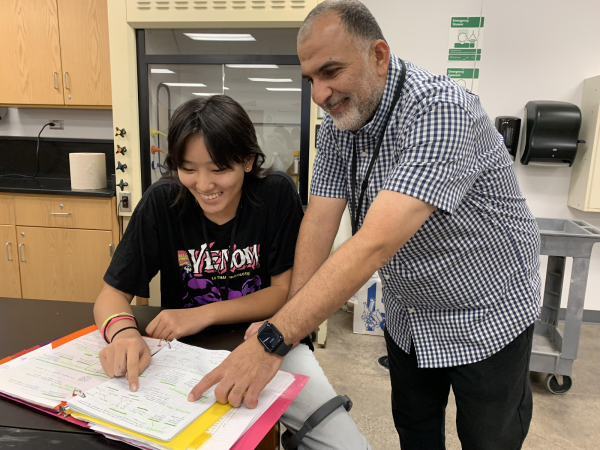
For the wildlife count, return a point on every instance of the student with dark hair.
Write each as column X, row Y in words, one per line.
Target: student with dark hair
column 222, row 232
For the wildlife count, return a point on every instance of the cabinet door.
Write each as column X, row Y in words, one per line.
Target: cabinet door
column 10, row 280
column 30, row 53
column 85, row 52
column 63, row 264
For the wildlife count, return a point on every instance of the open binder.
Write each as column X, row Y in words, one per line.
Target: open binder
column 220, row 427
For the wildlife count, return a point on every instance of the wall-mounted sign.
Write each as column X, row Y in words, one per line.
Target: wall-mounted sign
column 467, row 78
column 465, row 39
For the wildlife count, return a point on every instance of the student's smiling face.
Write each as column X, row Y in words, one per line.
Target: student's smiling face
column 217, row 191
column 347, row 78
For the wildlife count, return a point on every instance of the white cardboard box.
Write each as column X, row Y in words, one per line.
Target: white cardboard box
column 369, row 313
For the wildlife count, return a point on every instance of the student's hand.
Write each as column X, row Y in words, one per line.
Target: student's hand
column 253, row 329
column 176, row 323
column 248, row 369
column 127, row 355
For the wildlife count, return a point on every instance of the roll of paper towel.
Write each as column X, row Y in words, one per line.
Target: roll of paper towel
column 88, row 170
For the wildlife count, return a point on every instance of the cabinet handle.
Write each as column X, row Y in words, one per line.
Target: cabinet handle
column 111, row 252
column 60, row 214
column 8, row 251
column 54, row 79
column 66, row 87
column 21, row 252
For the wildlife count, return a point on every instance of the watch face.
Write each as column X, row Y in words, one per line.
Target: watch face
column 269, row 337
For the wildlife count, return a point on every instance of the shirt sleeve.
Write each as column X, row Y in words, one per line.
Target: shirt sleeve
column 136, row 259
column 329, row 169
column 438, row 163
column 288, row 219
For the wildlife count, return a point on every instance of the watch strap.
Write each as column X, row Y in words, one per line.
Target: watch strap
column 282, row 349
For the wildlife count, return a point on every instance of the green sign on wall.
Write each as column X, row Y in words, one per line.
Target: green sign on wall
column 465, row 38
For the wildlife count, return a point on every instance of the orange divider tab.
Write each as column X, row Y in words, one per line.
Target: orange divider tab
column 16, row 355
column 75, row 335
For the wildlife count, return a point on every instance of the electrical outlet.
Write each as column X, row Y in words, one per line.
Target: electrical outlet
column 58, row 124
column 125, row 201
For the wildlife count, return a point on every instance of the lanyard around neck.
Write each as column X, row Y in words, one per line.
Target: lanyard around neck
column 355, row 215
column 228, row 263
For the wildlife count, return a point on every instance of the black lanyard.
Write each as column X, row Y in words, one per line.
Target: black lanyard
column 356, row 209
column 228, row 264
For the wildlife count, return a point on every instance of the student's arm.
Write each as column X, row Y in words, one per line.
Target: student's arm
column 315, row 240
column 128, row 353
column 176, row 323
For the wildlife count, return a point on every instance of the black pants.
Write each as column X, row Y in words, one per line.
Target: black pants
column 493, row 399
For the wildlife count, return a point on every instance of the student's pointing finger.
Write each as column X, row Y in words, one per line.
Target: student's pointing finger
column 133, row 359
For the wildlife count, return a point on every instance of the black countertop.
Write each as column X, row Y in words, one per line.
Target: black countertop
column 55, row 186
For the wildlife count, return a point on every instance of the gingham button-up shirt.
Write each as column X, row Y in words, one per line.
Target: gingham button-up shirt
column 467, row 283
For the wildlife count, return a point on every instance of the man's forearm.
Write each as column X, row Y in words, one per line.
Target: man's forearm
column 391, row 221
column 331, row 286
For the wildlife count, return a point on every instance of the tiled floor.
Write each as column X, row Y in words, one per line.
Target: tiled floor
column 560, row 422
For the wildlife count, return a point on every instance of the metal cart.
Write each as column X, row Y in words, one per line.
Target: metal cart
column 552, row 352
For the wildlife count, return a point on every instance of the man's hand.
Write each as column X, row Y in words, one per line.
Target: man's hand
column 248, row 369
column 176, row 323
column 128, row 355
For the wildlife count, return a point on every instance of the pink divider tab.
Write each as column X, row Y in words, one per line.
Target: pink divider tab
column 251, row 438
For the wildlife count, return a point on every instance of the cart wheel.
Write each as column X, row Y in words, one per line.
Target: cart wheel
column 555, row 388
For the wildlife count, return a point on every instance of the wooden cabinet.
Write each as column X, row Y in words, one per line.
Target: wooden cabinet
column 30, row 53
column 57, row 248
column 63, row 264
column 10, row 281
column 84, row 50
column 7, row 213
column 64, row 212
column 54, row 52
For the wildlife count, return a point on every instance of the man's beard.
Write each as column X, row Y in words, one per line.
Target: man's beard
column 359, row 110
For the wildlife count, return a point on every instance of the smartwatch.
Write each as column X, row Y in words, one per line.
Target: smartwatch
column 272, row 340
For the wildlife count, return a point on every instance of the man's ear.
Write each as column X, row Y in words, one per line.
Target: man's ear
column 382, row 56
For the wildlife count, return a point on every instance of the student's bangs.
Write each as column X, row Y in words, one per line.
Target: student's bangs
column 225, row 127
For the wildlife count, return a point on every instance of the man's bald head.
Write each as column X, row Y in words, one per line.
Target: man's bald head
column 355, row 18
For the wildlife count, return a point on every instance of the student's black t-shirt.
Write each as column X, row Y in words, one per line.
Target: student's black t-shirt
column 168, row 238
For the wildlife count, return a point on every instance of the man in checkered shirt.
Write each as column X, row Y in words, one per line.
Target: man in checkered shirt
column 443, row 221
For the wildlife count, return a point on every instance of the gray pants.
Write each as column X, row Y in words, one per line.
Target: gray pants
column 338, row 431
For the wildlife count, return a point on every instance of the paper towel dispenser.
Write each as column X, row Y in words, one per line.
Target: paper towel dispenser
column 551, row 132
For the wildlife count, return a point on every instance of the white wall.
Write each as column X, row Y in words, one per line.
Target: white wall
column 532, row 50
column 79, row 123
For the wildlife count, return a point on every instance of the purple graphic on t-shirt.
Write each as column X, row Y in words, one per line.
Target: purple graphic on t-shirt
column 202, row 291
column 252, row 285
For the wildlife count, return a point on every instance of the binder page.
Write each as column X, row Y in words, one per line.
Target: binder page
column 49, row 376
column 236, row 422
column 159, row 408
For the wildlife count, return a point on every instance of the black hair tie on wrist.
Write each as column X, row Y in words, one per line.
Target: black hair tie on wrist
column 122, row 329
